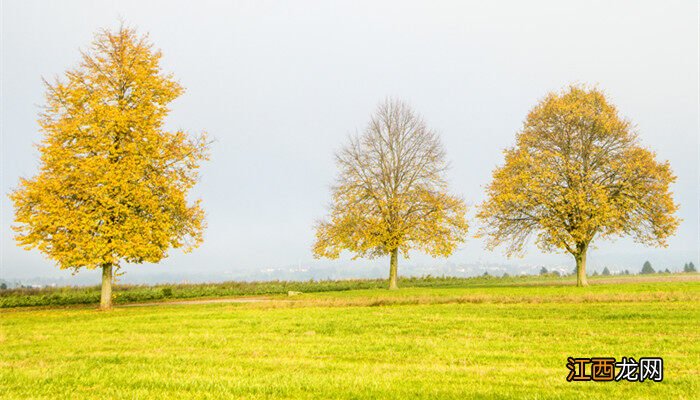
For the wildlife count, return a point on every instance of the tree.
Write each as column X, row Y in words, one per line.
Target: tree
column 606, row 271
column 112, row 183
column 391, row 194
column 689, row 267
column 577, row 172
column 543, row 271
column 667, row 271
column 646, row 268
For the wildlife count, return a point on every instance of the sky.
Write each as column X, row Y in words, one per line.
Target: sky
column 280, row 86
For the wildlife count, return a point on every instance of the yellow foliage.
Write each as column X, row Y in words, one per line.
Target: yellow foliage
column 391, row 193
column 577, row 172
column 112, row 184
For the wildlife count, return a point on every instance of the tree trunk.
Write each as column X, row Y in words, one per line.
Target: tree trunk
column 580, row 257
column 106, row 297
column 393, row 270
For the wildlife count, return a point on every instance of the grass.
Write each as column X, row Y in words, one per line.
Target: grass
column 476, row 339
column 126, row 294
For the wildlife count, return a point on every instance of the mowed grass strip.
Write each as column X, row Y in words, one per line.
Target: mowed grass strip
column 332, row 345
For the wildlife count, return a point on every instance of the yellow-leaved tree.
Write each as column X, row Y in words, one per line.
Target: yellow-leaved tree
column 577, row 172
column 391, row 194
column 112, row 183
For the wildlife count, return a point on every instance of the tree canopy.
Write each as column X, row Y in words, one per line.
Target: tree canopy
column 112, row 183
column 577, row 172
column 647, row 268
column 391, row 194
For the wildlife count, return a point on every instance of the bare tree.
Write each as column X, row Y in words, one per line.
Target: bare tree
column 391, row 194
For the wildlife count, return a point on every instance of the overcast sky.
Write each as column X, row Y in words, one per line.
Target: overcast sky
column 280, row 85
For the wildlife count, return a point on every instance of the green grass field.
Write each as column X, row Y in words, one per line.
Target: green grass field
column 506, row 340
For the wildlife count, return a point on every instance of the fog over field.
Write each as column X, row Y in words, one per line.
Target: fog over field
column 280, row 86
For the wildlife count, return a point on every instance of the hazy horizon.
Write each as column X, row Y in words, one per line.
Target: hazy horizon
column 280, row 88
